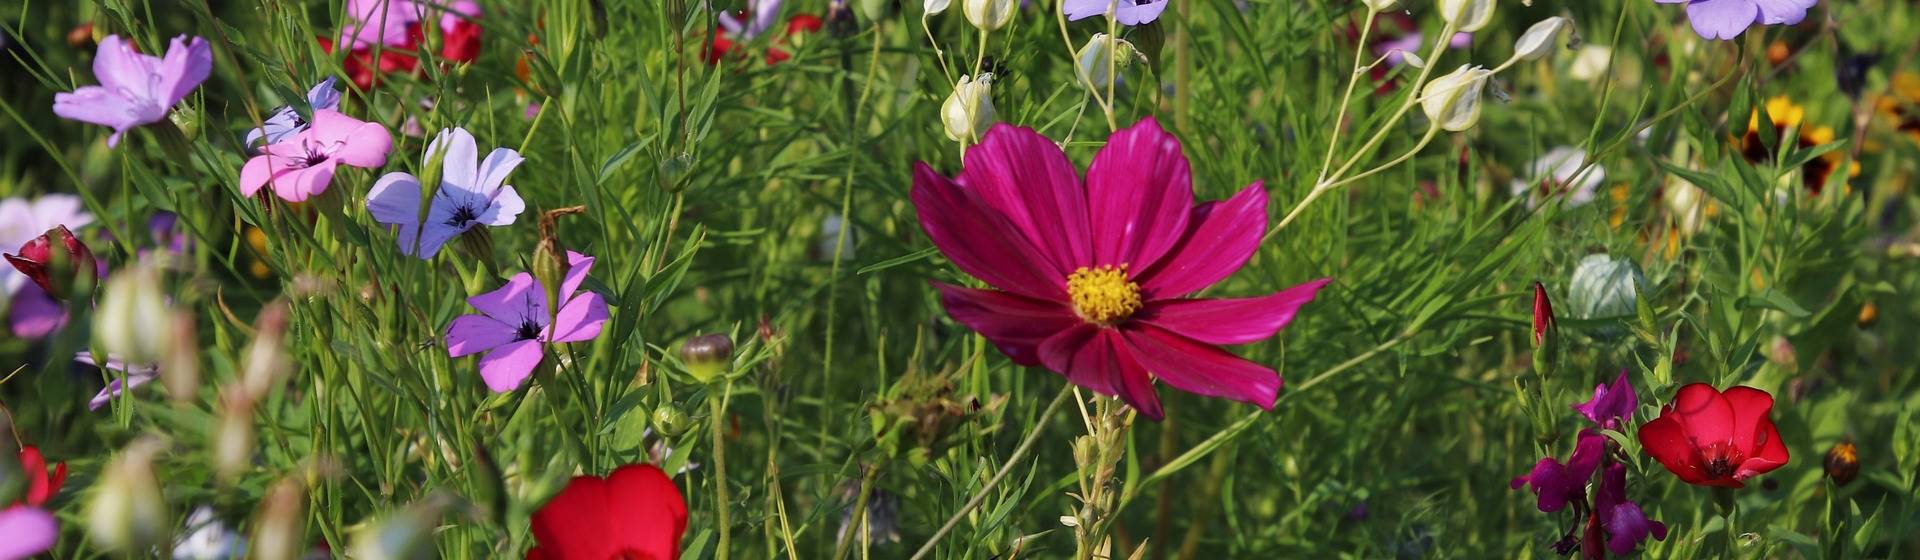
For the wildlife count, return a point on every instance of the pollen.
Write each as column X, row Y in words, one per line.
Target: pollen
column 1103, row 294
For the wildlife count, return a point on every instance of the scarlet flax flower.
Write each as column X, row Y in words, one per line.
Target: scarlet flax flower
column 635, row 512
column 471, row 192
column 28, row 529
column 1090, row 279
column 1710, row 438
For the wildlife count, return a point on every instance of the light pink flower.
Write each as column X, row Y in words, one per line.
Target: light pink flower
column 303, row 166
column 28, row 530
column 514, row 323
column 136, row 89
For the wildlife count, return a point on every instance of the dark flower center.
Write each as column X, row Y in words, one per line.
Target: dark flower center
column 1720, row 460
column 529, row 329
column 465, row 213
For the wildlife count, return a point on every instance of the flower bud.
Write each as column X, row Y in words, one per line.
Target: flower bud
column 1542, row 314
column 934, row 7
column 1869, row 314
column 1843, row 463
column 876, row 10
column 670, row 421
column 233, row 436
column 969, row 109
column 131, row 320
column 279, row 529
column 1604, row 287
column 266, row 361
column 1452, row 101
column 989, row 15
column 1541, row 38
column 127, row 512
column 63, row 272
column 1095, row 70
column 707, row 356
column 1467, row 16
column 180, row 367
column 550, row 256
column 1381, row 5
column 407, row 534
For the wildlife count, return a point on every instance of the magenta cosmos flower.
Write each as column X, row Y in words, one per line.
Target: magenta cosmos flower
column 302, row 166
column 1726, row 19
column 136, row 89
column 1090, row 279
column 513, row 324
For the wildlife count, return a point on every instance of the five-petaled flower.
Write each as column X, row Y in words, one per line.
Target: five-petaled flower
column 303, row 166
column 136, row 89
column 635, row 512
column 285, row 122
column 1710, row 438
column 1090, row 278
column 472, row 192
column 514, row 324
column 1726, row 19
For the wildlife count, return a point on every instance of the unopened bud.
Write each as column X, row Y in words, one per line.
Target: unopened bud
column 180, row 367
column 707, row 356
column 1541, row 38
column 1869, row 314
column 407, row 534
column 550, row 256
column 131, row 320
column 670, row 421
column 968, row 111
column 58, row 262
column 1467, row 16
column 934, row 7
column 267, row 361
column 279, row 530
column 1843, row 463
column 1381, row 5
column 127, row 512
column 1101, row 58
column 1452, row 101
column 1782, row 354
column 1542, row 314
column 233, row 435
column 989, row 15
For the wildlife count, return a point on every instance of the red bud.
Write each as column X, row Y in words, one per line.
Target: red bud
column 1542, row 314
column 57, row 273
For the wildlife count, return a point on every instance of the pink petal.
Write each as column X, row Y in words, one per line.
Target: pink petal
column 1014, row 324
column 472, row 334
column 1202, row 369
column 1221, row 237
column 1096, row 358
column 187, row 64
column 28, row 530
column 1141, row 193
column 517, row 301
column 1232, row 321
column 295, row 185
column 580, row 318
column 980, row 242
column 254, row 175
column 122, row 70
column 506, row 367
column 1704, row 413
column 96, row 105
column 361, row 144
column 1026, row 178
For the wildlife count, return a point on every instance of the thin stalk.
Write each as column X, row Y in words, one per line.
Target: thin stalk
column 1353, row 78
column 716, row 411
column 1026, row 445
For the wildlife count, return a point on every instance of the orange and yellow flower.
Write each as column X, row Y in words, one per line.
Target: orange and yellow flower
column 1789, row 118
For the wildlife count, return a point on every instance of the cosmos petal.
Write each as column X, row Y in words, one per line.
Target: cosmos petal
column 1232, row 320
column 1027, row 179
column 1140, row 190
column 1201, row 369
column 1013, row 323
column 1097, row 358
column 980, row 242
column 1221, row 237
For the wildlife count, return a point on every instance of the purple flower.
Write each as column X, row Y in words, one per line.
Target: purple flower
column 514, row 322
column 302, row 166
column 1395, row 50
column 1127, row 12
column 135, row 377
column 471, row 193
column 29, row 531
column 286, row 122
column 1610, row 403
column 389, row 23
column 32, row 313
column 764, row 14
column 1555, row 483
column 1726, row 19
column 1625, row 525
column 136, row 89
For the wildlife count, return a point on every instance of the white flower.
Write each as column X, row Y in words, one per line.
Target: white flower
column 1541, row 38
column 968, row 111
column 1553, row 174
column 1467, row 16
column 934, row 7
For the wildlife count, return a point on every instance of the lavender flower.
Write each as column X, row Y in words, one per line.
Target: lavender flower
column 514, row 322
column 135, row 377
column 1127, row 12
column 286, row 122
column 136, row 89
column 1726, row 19
column 471, row 193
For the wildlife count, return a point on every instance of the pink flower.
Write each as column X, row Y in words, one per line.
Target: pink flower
column 1091, row 278
column 514, row 321
column 29, row 531
column 1610, row 403
column 302, row 166
column 136, row 89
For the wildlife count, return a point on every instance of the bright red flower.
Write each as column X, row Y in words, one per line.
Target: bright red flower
column 460, row 32
column 1091, row 278
column 636, row 513
column 724, row 44
column 1709, row 438
column 42, row 484
column 35, row 260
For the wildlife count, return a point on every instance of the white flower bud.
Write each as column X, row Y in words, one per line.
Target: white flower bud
column 1092, row 60
column 1453, row 101
column 989, row 15
column 127, row 512
column 969, row 109
column 1541, row 38
column 1381, row 5
column 132, row 320
column 934, row 7
column 1467, row 16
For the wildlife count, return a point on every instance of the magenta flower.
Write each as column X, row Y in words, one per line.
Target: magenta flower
column 1726, row 19
column 302, row 166
column 471, row 193
column 1610, row 403
column 1091, row 278
column 1557, row 484
column 29, row 531
column 1619, row 520
column 136, row 89
column 391, row 23
column 1127, row 12
column 33, row 313
column 514, row 322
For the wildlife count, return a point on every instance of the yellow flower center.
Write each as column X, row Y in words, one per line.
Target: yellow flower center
column 1103, row 294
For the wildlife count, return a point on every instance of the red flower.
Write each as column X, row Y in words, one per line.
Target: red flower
column 635, row 513
column 42, row 484
column 724, row 43
column 36, row 260
column 1710, row 438
column 365, row 69
column 459, row 42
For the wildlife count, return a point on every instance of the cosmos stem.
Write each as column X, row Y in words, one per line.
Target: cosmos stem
column 717, row 410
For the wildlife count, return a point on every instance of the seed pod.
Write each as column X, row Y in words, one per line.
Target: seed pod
column 707, row 356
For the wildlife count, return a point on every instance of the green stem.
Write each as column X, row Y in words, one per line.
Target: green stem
column 717, row 410
column 1026, row 445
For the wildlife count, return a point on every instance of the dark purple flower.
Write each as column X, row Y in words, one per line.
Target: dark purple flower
column 1556, row 483
column 1611, row 403
column 1624, row 524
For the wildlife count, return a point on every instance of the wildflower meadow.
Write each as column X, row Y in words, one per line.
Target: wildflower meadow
column 959, row 279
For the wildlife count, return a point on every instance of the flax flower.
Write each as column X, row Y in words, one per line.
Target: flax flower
column 303, row 166
column 1090, row 279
